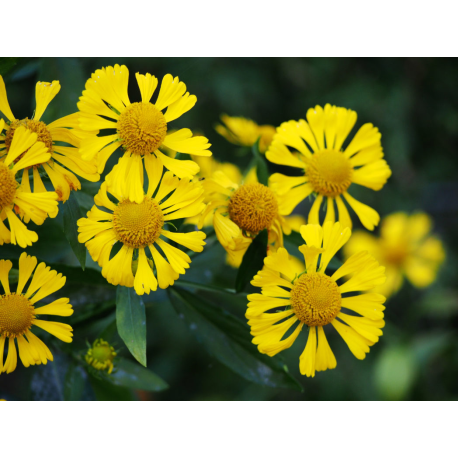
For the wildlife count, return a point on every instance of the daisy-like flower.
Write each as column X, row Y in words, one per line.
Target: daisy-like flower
column 405, row 247
column 24, row 152
column 138, row 229
column 245, row 132
column 140, row 128
column 101, row 355
column 18, row 313
column 328, row 170
column 291, row 301
column 241, row 210
column 64, row 161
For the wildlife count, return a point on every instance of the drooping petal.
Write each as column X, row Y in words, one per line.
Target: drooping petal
column 307, row 359
column 44, row 93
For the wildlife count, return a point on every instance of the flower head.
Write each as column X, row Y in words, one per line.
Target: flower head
column 101, row 355
column 245, row 132
column 63, row 161
column 24, row 152
column 139, row 128
column 328, row 169
column 241, row 210
column 138, row 229
column 18, row 313
column 291, row 301
column 405, row 247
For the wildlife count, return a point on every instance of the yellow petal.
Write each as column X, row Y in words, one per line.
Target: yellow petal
column 171, row 90
column 147, row 85
column 27, row 265
column 4, row 105
column 44, row 93
column 181, row 106
column 368, row 216
column 308, row 357
column 5, row 267
column 60, row 307
column 325, row 358
column 60, row 330
column 145, row 281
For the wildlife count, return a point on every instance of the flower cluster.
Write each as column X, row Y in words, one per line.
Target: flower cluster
column 161, row 193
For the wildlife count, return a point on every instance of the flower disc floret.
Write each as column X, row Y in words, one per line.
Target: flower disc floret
column 101, row 356
column 8, row 186
column 138, row 225
column 329, row 172
column 253, row 207
column 142, row 128
column 16, row 315
column 315, row 299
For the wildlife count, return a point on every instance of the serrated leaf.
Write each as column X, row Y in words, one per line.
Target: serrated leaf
column 228, row 339
column 252, row 261
column 262, row 170
column 72, row 213
column 131, row 322
column 130, row 375
column 75, row 380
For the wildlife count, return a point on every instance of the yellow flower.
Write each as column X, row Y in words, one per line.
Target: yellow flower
column 328, row 170
column 24, row 152
column 18, row 313
column 245, row 132
column 405, row 248
column 140, row 127
column 101, row 355
column 291, row 299
column 138, row 227
column 241, row 210
column 64, row 160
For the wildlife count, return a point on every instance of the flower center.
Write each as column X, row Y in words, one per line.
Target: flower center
column 253, row 207
column 329, row 173
column 38, row 127
column 16, row 315
column 8, row 186
column 138, row 225
column 315, row 299
column 103, row 353
column 395, row 254
column 142, row 128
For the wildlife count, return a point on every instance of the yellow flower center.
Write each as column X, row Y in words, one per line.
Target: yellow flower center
column 142, row 128
column 8, row 186
column 138, row 225
column 253, row 207
column 395, row 254
column 38, row 127
column 315, row 299
column 16, row 315
column 329, row 172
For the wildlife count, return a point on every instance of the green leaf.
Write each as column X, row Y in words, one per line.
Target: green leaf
column 6, row 64
column 252, row 261
column 131, row 321
column 131, row 375
column 72, row 213
column 74, row 383
column 202, row 287
column 262, row 171
column 228, row 339
column 105, row 391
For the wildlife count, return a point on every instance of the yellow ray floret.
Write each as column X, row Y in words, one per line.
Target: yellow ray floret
column 407, row 249
column 63, row 161
column 19, row 311
column 292, row 300
column 139, row 128
column 140, row 229
column 245, row 132
column 316, row 147
column 16, row 198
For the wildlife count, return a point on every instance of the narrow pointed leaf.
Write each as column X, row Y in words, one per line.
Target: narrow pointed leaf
column 131, row 322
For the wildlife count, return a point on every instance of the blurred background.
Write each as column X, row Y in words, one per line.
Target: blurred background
column 414, row 103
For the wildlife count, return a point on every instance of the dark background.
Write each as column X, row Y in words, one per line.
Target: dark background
column 414, row 103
